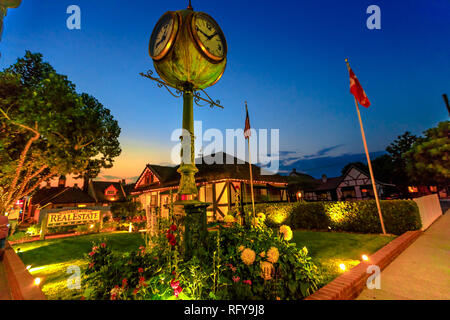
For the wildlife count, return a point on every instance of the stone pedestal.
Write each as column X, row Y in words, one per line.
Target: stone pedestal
column 195, row 232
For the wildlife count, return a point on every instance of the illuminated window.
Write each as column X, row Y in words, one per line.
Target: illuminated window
column 413, row 189
column 433, row 188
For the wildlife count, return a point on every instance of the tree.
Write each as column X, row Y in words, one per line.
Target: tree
column 395, row 150
column 48, row 129
column 428, row 161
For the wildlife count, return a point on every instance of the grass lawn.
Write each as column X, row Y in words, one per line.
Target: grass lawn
column 330, row 249
column 50, row 259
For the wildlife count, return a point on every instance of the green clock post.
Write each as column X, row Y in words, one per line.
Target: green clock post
column 189, row 52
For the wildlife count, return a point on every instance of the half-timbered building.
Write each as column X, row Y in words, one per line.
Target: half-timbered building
column 355, row 184
column 219, row 178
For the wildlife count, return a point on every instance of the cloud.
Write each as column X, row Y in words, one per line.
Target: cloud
column 290, row 157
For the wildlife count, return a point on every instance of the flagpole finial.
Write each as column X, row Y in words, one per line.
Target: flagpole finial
column 190, row 6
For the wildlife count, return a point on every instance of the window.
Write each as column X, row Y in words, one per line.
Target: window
column 154, row 200
column 209, row 193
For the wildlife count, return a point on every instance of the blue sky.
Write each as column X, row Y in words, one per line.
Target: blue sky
column 286, row 58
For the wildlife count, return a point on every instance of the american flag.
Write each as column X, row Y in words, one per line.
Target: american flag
column 247, row 131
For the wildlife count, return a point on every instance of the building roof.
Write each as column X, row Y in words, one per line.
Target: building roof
column 59, row 195
column 333, row 183
column 211, row 167
column 98, row 188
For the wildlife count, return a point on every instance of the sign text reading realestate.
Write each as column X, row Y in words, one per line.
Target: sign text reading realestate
column 72, row 217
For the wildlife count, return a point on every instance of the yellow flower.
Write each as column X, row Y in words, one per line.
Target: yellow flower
column 229, row 219
column 305, row 250
column 273, row 255
column 286, row 232
column 266, row 270
column 241, row 248
column 261, row 216
column 262, row 254
column 248, row 256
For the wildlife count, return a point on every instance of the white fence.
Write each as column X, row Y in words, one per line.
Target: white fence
column 429, row 208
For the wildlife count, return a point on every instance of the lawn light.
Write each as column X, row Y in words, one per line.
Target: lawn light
column 29, row 267
column 342, row 267
column 37, row 281
column 365, row 258
column 91, row 226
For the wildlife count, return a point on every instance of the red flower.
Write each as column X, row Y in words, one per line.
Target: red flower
column 173, row 228
column 236, row 279
column 135, row 291
column 177, row 291
column 124, row 282
column 249, row 282
column 103, row 245
column 91, row 265
column 140, row 270
column 91, row 253
column 174, row 273
column 174, row 284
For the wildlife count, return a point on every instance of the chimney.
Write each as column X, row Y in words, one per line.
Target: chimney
column 324, row 178
column 62, row 181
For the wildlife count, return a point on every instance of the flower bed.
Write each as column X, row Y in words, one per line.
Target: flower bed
column 236, row 263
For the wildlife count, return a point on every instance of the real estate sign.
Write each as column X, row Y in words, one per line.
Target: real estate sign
column 72, row 217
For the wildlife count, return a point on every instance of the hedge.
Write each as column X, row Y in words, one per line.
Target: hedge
column 352, row 216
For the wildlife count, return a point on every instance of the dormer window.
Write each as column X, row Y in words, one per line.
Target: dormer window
column 111, row 191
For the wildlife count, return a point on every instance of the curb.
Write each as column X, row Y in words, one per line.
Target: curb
column 349, row 285
column 20, row 281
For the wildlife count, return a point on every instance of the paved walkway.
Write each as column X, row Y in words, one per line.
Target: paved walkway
column 422, row 271
column 4, row 289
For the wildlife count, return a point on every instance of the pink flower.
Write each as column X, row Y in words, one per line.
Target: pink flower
column 94, row 248
column 249, row 282
column 236, row 279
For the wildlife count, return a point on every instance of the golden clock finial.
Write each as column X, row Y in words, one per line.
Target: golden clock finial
column 190, row 6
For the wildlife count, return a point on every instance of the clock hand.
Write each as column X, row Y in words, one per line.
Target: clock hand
column 212, row 36
column 162, row 39
column 198, row 29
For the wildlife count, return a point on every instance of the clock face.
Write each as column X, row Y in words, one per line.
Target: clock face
column 163, row 36
column 209, row 36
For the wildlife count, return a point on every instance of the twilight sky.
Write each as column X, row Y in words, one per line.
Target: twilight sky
column 286, row 58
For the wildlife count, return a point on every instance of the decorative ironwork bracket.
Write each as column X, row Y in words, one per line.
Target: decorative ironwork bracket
column 179, row 91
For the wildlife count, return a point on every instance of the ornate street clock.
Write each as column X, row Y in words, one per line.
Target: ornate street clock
column 4, row 6
column 164, row 35
column 208, row 36
column 189, row 52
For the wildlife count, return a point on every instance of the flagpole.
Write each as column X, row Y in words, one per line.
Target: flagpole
column 250, row 167
column 375, row 192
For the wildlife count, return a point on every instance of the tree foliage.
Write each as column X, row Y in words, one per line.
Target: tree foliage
column 428, row 161
column 48, row 129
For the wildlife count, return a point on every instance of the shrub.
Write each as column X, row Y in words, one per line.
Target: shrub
column 399, row 216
